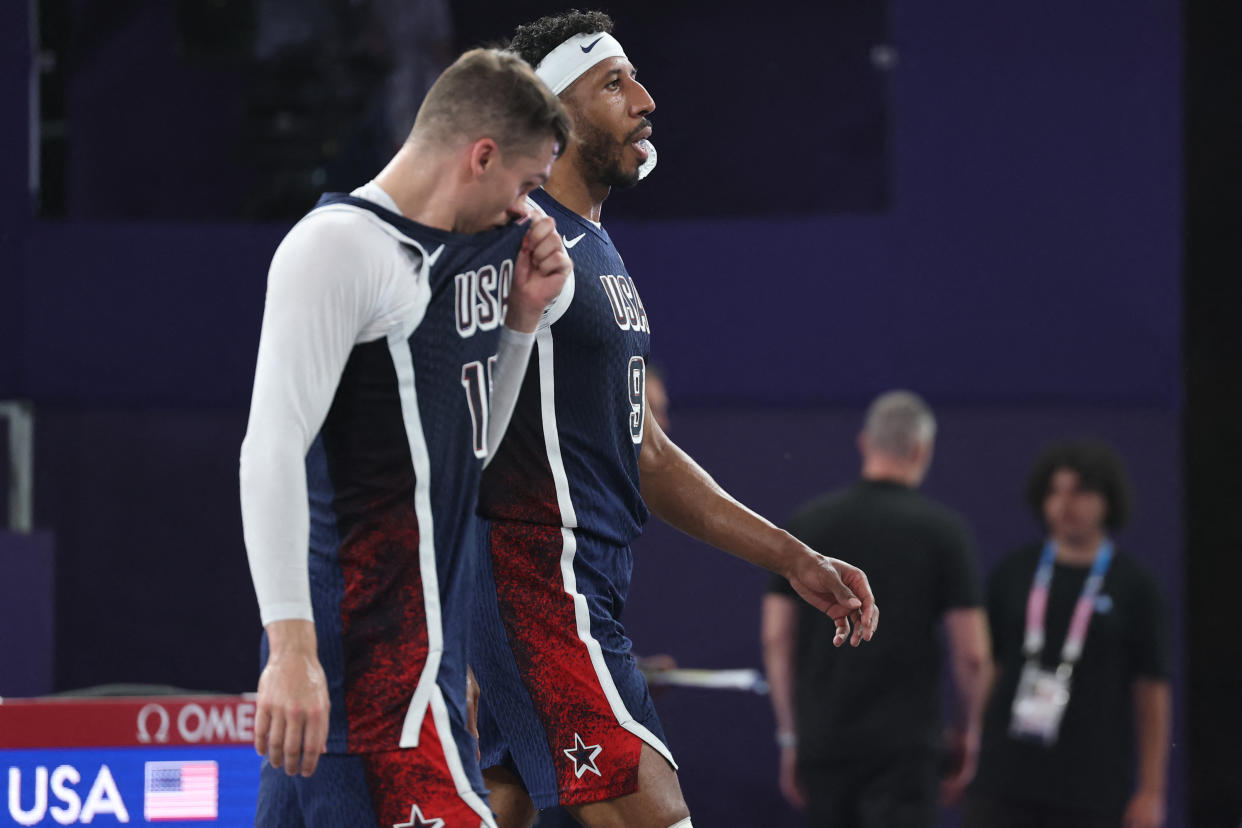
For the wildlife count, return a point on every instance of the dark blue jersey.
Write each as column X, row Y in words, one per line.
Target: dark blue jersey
column 393, row 481
column 570, row 456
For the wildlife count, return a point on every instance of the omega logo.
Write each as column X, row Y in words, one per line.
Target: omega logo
column 196, row 723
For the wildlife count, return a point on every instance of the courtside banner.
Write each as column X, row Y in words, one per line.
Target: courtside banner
column 166, row 760
column 130, row 786
column 127, row 721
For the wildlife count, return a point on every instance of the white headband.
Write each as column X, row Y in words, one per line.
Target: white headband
column 567, row 62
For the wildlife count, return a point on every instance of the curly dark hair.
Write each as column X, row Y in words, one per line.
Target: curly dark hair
column 533, row 41
column 1099, row 469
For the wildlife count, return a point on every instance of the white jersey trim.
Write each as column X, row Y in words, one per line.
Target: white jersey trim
column 569, row 548
column 403, row 362
column 558, row 306
column 439, row 713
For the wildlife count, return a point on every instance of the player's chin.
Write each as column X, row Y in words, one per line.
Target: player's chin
column 624, row 177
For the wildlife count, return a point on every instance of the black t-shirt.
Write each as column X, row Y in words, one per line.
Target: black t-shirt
column 1091, row 766
column 882, row 697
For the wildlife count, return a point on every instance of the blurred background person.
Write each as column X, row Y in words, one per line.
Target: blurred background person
column 860, row 732
column 1073, row 701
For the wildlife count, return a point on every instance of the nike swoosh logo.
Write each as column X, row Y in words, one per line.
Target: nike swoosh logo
column 571, row 242
column 586, row 49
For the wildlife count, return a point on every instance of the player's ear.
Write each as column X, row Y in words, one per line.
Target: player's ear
column 483, row 154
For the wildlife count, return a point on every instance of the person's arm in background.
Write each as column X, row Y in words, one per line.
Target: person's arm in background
column 779, row 634
column 970, row 658
column 1153, row 703
column 1147, row 645
column 683, row 495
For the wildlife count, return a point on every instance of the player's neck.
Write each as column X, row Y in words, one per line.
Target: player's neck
column 1078, row 550
column 420, row 188
column 881, row 468
column 569, row 187
column 890, row 475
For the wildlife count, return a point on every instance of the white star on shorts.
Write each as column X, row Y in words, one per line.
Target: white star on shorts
column 583, row 756
column 417, row 820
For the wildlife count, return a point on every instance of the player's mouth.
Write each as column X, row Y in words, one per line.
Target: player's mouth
column 637, row 140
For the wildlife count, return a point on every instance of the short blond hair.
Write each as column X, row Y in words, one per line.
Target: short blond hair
column 490, row 93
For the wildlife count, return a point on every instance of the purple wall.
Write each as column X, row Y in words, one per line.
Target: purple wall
column 151, row 575
column 1032, row 251
column 27, row 613
column 14, row 202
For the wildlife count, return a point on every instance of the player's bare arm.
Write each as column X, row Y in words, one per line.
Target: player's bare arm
column 685, row 496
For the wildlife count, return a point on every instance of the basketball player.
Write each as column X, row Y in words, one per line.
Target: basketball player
column 565, row 715
column 385, row 313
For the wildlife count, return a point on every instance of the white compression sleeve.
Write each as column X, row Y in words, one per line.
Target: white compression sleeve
column 682, row 823
column 326, row 282
column 507, row 377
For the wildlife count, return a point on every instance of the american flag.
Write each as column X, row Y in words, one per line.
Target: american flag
column 181, row 791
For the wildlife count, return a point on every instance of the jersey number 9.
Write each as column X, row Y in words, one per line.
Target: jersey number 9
column 636, row 380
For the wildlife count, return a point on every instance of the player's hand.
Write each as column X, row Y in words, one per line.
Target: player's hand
column 962, row 755
column 291, row 722
column 539, row 273
column 842, row 592
column 791, row 785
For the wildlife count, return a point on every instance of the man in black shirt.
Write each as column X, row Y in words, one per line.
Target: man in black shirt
column 1072, row 704
column 860, row 732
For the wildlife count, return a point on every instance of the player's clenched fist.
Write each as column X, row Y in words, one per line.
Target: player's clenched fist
column 539, row 273
column 291, row 722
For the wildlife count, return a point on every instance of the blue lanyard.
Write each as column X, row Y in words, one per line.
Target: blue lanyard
column 1037, row 603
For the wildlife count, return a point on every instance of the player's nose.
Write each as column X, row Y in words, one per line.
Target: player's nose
column 641, row 101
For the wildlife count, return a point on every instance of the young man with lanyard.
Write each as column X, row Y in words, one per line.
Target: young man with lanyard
column 369, row 425
column 1082, row 651
column 565, row 715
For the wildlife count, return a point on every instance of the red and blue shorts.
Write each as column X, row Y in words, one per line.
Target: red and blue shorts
column 435, row 784
column 564, row 704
